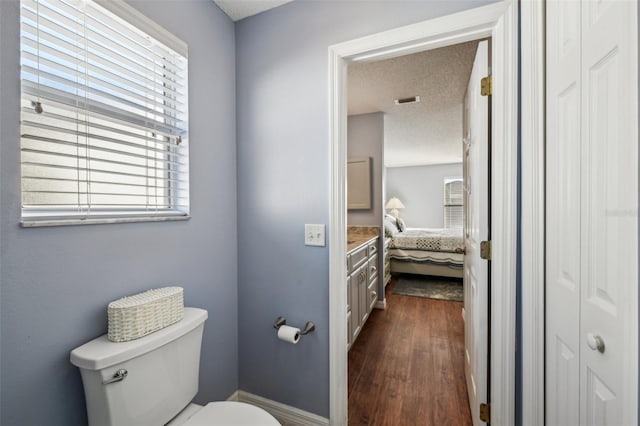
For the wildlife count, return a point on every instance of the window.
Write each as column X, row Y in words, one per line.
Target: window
column 453, row 206
column 103, row 115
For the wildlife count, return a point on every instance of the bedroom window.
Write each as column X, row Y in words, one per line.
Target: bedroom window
column 453, row 205
column 104, row 120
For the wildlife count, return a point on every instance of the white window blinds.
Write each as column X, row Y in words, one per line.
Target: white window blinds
column 103, row 116
column 453, row 205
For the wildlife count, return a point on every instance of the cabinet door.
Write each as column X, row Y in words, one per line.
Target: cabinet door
column 363, row 293
column 358, row 279
column 349, row 316
column 349, row 330
column 349, row 293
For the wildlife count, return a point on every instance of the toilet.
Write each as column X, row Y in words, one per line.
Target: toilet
column 151, row 381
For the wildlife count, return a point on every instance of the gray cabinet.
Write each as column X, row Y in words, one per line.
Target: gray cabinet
column 387, row 262
column 362, row 287
column 349, row 313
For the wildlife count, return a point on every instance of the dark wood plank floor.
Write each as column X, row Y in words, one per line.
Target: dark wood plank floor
column 407, row 365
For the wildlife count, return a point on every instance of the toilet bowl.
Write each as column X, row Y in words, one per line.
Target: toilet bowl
column 151, row 381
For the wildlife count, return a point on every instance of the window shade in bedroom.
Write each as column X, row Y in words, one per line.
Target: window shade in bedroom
column 103, row 115
column 453, row 204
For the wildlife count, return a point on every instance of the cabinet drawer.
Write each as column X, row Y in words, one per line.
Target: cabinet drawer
column 357, row 257
column 372, row 291
column 372, row 269
column 373, row 248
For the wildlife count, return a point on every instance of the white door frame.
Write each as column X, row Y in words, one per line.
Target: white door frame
column 532, row 151
column 499, row 21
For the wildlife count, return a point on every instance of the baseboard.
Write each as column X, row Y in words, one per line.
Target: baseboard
column 381, row 304
column 287, row 415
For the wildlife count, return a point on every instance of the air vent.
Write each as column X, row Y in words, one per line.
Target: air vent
column 411, row 100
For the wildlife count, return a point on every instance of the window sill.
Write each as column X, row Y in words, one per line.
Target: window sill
column 39, row 223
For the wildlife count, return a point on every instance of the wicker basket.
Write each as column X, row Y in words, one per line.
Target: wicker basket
column 135, row 316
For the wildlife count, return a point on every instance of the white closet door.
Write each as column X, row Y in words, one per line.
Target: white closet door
column 476, row 272
column 592, row 215
column 563, row 213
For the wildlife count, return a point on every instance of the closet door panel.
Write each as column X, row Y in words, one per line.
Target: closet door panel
column 609, row 213
column 563, row 213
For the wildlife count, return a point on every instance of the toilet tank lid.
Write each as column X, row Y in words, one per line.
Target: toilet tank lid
column 102, row 353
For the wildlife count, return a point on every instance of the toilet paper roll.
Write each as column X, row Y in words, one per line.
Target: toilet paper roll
column 289, row 334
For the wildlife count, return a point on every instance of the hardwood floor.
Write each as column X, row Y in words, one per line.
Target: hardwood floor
column 407, row 365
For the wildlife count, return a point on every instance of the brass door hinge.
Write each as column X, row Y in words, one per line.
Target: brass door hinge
column 485, row 414
column 485, row 250
column 486, row 86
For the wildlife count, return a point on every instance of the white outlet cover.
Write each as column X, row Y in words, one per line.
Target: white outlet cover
column 314, row 235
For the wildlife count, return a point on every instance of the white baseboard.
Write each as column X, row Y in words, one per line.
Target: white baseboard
column 381, row 304
column 287, row 415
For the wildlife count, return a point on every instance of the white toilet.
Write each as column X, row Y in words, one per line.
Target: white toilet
column 151, row 381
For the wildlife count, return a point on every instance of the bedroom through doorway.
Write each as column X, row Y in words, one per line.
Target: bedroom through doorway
column 416, row 317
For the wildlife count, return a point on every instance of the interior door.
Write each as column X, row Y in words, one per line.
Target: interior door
column 592, row 213
column 476, row 270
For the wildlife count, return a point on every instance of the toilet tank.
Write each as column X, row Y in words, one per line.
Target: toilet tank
column 162, row 374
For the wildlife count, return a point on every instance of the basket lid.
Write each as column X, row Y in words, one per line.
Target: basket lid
column 145, row 297
column 101, row 353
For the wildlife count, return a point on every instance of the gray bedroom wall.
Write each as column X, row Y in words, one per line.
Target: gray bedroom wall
column 421, row 190
column 56, row 282
column 283, row 183
column 365, row 138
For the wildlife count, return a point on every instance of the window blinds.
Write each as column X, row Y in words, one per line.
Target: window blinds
column 453, row 204
column 103, row 116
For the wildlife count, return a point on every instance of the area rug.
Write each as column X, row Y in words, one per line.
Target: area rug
column 442, row 288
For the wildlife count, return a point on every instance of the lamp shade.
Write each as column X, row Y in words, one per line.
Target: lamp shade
column 394, row 204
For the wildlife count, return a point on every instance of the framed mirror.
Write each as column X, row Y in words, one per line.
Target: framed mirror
column 359, row 183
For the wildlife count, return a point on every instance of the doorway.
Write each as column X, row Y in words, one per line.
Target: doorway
column 497, row 21
column 405, row 115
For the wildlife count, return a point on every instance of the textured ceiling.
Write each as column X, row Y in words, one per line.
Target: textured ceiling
column 240, row 9
column 429, row 132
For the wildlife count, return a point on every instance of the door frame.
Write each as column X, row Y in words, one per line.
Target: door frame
column 500, row 22
column 532, row 240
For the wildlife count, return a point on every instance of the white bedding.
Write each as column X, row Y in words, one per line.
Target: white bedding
column 429, row 239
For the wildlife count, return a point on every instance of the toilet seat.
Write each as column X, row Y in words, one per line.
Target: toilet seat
column 231, row 413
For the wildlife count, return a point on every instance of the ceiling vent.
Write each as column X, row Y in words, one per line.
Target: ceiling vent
column 404, row 101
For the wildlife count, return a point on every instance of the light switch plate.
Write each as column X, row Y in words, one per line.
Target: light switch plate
column 314, row 235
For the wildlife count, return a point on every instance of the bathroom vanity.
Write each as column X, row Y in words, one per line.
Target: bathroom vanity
column 362, row 280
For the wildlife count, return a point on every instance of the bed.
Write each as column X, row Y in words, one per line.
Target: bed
column 427, row 251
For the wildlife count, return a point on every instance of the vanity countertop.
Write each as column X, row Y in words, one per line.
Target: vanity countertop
column 357, row 236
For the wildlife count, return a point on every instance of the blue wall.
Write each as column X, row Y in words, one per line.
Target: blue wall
column 56, row 282
column 246, row 266
column 283, row 182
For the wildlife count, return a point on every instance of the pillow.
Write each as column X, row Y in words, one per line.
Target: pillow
column 389, row 228
column 391, row 220
column 401, row 225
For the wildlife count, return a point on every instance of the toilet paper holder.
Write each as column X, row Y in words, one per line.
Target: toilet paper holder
column 308, row 327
